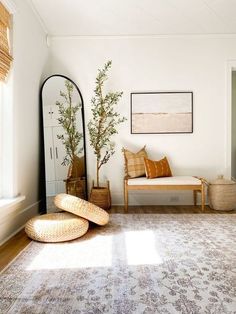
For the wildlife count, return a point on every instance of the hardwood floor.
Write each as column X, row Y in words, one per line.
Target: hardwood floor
column 10, row 249
column 189, row 209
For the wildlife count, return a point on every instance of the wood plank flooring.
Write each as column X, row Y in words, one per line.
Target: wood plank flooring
column 180, row 209
column 10, row 249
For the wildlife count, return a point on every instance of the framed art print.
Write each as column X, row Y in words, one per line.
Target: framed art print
column 161, row 112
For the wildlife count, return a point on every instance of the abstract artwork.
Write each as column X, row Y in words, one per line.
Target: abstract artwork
column 161, row 112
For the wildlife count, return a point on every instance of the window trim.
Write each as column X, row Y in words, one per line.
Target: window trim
column 9, row 204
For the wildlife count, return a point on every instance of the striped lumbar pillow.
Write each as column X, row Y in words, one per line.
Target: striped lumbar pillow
column 156, row 169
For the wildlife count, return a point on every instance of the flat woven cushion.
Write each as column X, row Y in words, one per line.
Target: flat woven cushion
column 134, row 163
column 56, row 227
column 176, row 180
column 156, row 169
column 81, row 208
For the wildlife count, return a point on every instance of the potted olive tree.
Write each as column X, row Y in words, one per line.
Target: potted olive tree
column 102, row 127
column 71, row 139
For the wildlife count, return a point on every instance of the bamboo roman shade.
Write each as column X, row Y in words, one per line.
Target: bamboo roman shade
column 5, row 57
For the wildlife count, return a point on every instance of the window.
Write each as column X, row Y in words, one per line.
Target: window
column 6, row 109
column 5, row 56
column 1, row 129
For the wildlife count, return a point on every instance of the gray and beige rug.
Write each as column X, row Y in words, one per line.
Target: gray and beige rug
column 145, row 263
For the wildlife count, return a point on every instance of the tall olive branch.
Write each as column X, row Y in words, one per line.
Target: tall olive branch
column 67, row 111
column 104, row 120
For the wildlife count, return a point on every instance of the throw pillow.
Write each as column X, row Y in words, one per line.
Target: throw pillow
column 134, row 163
column 156, row 169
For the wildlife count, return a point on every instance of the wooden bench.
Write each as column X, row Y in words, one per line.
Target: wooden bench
column 167, row 183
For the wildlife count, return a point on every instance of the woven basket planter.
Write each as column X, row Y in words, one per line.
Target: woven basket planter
column 101, row 196
column 222, row 194
column 76, row 187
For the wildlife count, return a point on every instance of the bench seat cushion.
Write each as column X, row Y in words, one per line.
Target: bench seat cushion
column 176, row 180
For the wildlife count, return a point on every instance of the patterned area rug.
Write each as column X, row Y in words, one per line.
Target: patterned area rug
column 155, row 263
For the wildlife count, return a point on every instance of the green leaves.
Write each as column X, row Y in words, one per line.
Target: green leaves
column 105, row 119
column 67, row 110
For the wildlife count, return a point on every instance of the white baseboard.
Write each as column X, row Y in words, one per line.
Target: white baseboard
column 12, row 235
column 16, row 221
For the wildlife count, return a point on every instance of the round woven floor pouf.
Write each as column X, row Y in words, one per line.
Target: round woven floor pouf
column 81, row 208
column 56, row 227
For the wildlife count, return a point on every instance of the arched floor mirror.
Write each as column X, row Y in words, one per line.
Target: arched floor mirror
column 64, row 139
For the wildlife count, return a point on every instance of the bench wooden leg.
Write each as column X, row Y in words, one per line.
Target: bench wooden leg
column 195, row 197
column 125, row 196
column 203, row 196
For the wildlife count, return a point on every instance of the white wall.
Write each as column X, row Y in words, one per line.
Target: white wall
column 177, row 63
column 233, row 150
column 30, row 53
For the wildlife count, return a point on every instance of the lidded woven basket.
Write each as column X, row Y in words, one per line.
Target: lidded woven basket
column 222, row 194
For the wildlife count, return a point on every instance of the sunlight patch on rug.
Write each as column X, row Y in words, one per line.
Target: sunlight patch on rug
column 88, row 253
column 141, row 248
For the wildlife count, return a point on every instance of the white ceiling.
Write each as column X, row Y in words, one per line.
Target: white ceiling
column 136, row 17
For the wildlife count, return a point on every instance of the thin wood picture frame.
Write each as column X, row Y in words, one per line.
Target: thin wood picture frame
column 161, row 112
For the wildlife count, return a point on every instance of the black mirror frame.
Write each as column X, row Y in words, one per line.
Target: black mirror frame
column 42, row 186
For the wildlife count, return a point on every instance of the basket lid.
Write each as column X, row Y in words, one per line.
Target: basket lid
column 220, row 180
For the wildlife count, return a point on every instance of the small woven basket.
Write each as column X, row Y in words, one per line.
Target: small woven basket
column 101, row 196
column 222, row 194
column 76, row 187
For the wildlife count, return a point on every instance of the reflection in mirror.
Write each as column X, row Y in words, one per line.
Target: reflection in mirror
column 64, row 139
